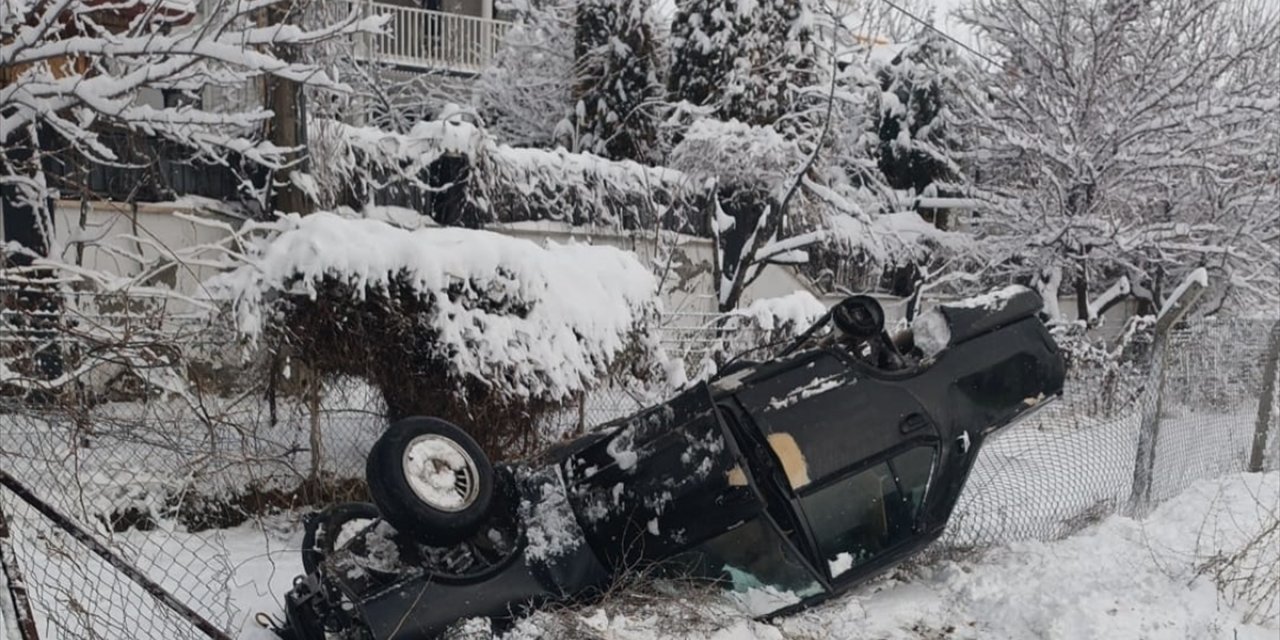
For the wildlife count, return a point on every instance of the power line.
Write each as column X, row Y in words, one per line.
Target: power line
column 940, row 32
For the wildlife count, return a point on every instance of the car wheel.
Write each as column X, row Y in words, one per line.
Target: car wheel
column 430, row 478
column 324, row 531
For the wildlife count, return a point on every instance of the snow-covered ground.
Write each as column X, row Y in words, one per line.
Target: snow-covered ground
column 1120, row 578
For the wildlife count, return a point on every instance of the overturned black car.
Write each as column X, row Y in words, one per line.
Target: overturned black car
column 787, row 481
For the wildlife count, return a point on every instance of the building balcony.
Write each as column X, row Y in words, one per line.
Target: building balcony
column 423, row 39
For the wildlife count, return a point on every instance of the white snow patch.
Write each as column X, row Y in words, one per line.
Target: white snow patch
column 1198, row 277
column 815, row 387
column 931, row 332
column 840, row 564
column 551, row 528
column 759, row 601
column 620, row 448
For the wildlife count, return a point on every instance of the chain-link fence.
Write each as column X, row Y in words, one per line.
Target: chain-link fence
column 163, row 479
column 1197, row 398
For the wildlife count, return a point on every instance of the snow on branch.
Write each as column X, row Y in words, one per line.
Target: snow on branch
column 77, row 69
column 738, row 154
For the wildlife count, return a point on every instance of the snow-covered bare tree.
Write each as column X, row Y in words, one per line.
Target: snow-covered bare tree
column 1136, row 139
column 877, row 21
column 618, row 96
column 525, row 96
column 75, row 70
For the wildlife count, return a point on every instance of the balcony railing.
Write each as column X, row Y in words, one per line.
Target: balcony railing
column 424, row 39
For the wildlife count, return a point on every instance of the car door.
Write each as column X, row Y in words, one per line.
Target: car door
column 858, row 449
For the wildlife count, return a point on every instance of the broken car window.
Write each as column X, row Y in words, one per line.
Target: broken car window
column 752, row 558
column 858, row 517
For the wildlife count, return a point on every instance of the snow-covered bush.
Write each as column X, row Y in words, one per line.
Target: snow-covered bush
column 483, row 329
column 754, row 332
column 738, row 155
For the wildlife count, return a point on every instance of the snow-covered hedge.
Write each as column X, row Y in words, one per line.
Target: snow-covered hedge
column 445, row 321
column 456, row 172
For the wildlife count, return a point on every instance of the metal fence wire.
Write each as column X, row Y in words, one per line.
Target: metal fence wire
column 1078, row 461
column 161, row 478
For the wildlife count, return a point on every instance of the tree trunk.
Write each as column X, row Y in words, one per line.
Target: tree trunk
column 288, row 127
column 1082, row 295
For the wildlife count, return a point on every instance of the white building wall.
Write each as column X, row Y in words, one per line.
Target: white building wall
column 120, row 240
column 683, row 263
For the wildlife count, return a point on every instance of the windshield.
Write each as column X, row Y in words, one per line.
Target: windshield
column 761, row 569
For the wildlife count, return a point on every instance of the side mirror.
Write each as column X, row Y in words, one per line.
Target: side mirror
column 859, row 317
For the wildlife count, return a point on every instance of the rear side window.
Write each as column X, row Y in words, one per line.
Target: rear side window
column 1004, row 385
column 861, row 516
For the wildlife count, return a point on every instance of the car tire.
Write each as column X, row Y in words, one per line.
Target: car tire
column 429, row 478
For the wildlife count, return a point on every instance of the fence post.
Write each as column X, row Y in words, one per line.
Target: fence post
column 1144, row 464
column 15, row 609
column 1257, row 454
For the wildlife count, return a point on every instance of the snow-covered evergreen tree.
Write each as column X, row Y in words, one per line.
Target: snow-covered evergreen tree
column 918, row 135
column 776, row 62
column 744, row 59
column 702, row 35
column 617, row 91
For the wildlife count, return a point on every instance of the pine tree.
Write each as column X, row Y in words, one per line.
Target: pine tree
column 918, row 138
column 776, row 59
column 617, row 89
column 703, row 33
column 743, row 58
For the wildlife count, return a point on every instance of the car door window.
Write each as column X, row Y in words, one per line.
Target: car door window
column 754, row 559
column 857, row 518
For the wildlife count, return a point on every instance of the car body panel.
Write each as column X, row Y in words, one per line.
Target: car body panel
column 660, row 481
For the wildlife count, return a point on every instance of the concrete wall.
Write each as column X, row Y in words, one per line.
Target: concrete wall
column 113, row 227
column 683, row 263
